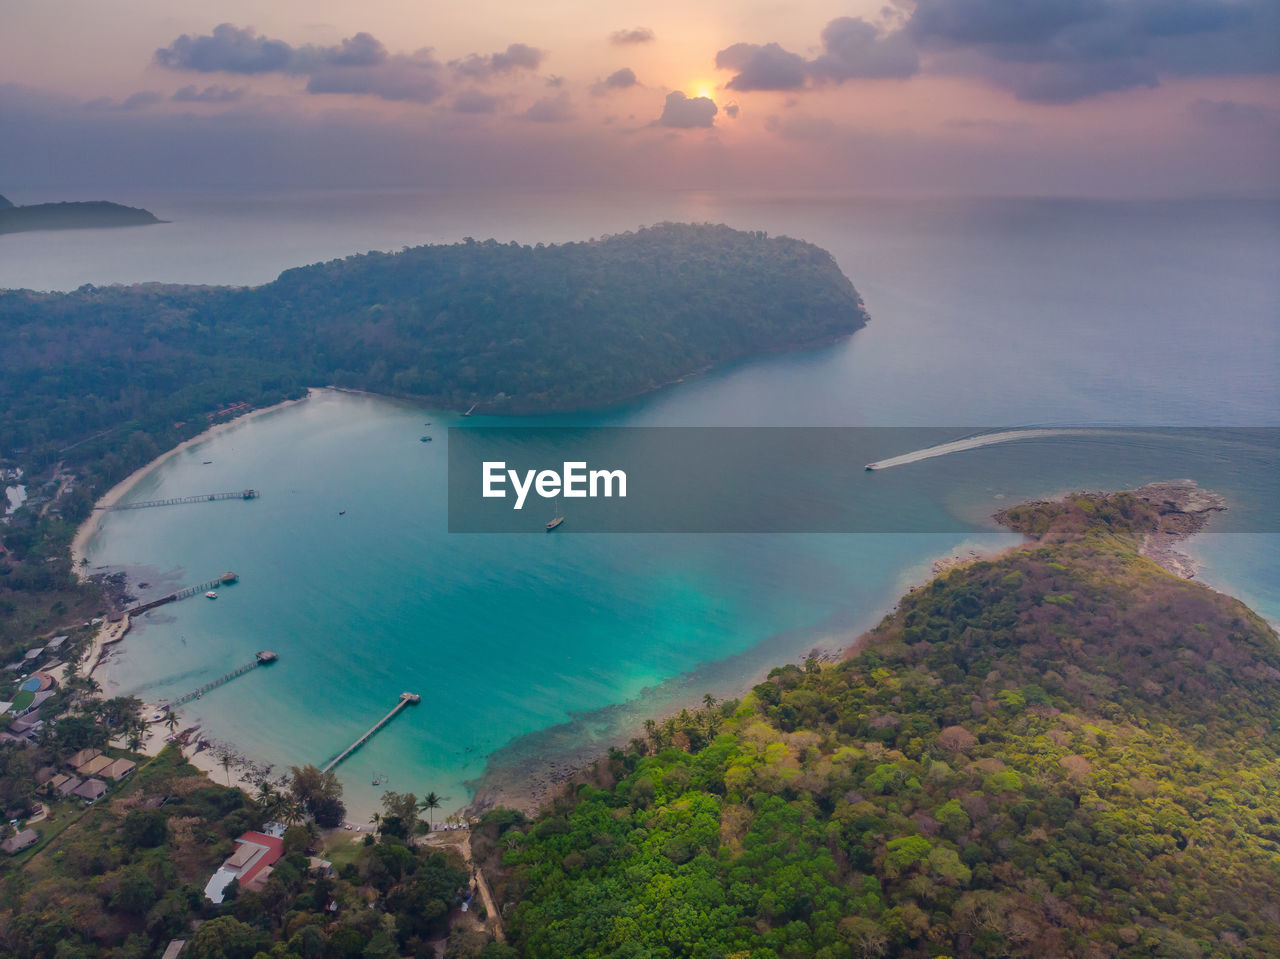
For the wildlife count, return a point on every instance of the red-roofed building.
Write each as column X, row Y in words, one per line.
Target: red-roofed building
column 255, row 852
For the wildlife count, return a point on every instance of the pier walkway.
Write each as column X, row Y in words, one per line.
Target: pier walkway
column 226, row 579
column 406, row 699
column 178, row 500
column 264, row 657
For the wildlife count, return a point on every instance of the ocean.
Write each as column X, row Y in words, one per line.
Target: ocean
column 529, row 651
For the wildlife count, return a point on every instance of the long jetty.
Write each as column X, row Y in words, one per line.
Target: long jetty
column 178, row 500
column 226, row 579
column 405, row 700
column 264, row 657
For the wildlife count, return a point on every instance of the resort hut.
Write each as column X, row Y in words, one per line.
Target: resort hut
column 66, row 785
column 82, row 757
column 94, row 766
column 119, row 769
column 90, row 789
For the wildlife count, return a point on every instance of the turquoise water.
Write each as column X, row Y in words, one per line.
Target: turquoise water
column 529, row 648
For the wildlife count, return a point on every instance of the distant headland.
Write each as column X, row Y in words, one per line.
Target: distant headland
column 92, row 215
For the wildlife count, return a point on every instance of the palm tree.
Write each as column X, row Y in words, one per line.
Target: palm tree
column 709, row 701
column 225, row 763
column 171, row 720
column 137, row 733
column 429, row 802
column 376, row 821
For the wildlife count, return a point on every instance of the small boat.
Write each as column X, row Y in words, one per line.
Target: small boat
column 425, row 439
column 211, row 595
column 555, row 521
column 207, row 463
column 342, row 512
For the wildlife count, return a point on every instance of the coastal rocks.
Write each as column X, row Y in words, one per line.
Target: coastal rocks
column 1183, row 510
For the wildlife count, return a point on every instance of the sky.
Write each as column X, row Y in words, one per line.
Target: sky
column 1060, row 97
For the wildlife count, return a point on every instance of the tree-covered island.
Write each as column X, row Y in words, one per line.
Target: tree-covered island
column 82, row 215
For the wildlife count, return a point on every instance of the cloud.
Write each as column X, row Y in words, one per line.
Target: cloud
column 767, row 67
column 137, row 101
column 622, row 79
column 1046, row 51
column 557, row 109
column 193, row 94
column 517, row 56
column 362, row 50
column 687, row 113
column 228, row 49
column 358, row 65
column 1233, row 113
column 415, row 77
column 852, row 49
column 1062, row 51
column 633, row 36
column 475, row 101
column 142, row 99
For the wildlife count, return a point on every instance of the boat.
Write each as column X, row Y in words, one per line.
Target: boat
column 471, row 410
column 206, row 463
column 555, row 520
column 342, row 512
column 425, row 439
column 211, row 595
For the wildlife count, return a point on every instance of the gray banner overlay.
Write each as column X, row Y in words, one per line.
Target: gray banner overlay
column 818, row 480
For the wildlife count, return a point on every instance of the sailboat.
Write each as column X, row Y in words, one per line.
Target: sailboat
column 555, row 520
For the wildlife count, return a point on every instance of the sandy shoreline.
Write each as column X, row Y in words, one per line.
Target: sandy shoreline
column 84, row 533
column 535, row 779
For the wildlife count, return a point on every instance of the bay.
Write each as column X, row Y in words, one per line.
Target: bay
column 526, row 649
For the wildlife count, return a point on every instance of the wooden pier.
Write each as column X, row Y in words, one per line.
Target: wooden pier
column 178, row 500
column 226, row 579
column 406, row 699
column 264, row 657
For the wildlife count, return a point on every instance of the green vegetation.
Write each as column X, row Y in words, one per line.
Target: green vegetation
column 70, row 216
column 122, row 877
column 514, row 328
column 998, row 772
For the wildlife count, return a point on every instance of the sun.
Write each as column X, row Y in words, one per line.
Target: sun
column 702, row 88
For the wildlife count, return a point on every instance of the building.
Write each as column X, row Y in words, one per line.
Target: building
column 33, row 653
column 119, row 769
column 90, row 789
column 64, row 785
column 56, row 642
column 94, row 766
column 255, row 852
column 82, row 757
column 23, row 840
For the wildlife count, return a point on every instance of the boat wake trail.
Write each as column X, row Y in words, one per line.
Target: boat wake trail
column 973, row 443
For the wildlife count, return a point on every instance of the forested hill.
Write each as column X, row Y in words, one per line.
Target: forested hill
column 1062, row 752
column 513, row 328
column 95, row 214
